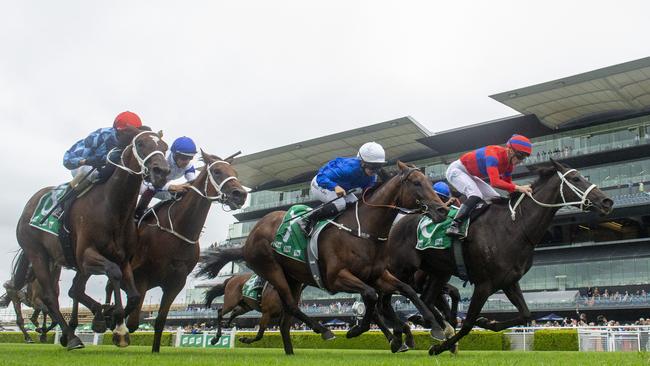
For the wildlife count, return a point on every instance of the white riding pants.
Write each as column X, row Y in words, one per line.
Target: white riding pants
column 325, row 195
column 467, row 184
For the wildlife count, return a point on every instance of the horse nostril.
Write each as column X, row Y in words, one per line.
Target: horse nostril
column 608, row 203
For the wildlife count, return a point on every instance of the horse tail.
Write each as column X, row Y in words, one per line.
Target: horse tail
column 215, row 292
column 20, row 269
column 215, row 260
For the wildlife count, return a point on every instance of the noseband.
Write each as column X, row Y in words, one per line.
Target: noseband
column 221, row 197
column 144, row 171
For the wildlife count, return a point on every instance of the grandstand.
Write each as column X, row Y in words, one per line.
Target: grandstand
column 598, row 122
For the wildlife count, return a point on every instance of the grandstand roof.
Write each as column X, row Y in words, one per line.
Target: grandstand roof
column 613, row 91
column 299, row 161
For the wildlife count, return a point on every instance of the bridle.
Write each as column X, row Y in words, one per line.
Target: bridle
column 584, row 202
column 144, row 171
column 424, row 208
column 220, row 197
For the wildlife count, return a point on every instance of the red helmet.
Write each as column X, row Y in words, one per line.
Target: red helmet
column 520, row 143
column 126, row 119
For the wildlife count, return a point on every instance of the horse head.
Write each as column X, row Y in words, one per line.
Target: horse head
column 147, row 154
column 574, row 189
column 416, row 191
column 222, row 184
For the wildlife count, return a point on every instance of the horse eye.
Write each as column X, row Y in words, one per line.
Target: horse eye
column 417, row 183
column 576, row 179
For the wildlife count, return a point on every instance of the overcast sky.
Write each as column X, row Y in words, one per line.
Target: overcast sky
column 253, row 75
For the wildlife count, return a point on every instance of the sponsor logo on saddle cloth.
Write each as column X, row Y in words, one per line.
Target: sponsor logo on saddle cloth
column 432, row 236
column 253, row 288
column 47, row 202
column 290, row 239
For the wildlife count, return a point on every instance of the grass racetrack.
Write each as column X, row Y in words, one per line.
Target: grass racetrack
column 37, row 354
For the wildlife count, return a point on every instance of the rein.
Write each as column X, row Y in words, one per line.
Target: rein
column 220, row 197
column 584, row 202
column 141, row 161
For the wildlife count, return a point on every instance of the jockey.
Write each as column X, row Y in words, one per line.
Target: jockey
column 492, row 162
column 442, row 190
column 180, row 162
column 340, row 175
column 91, row 151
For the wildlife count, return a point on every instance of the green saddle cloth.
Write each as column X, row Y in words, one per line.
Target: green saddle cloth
column 45, row 204
column 253, row 287
column 432, row 235
column 290, row 239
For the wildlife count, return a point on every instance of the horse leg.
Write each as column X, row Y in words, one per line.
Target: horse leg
column 264, row 322
column 43, row 275
column 109, row 292
column 169, row 294
column 133, row 320
column 20, row 322
column 74, row 315
column 399, row 327
column 516, row 297
column 481, row 293
column 275, row 276
column 285, row 331
column 78, row 292
column 43, row 336
column 34, row 319
column 454, row 294
column 345, row 281
column 133, row 296
column 388, row 283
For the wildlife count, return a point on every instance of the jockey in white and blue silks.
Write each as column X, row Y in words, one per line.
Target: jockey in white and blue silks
column 340, row 175
column 179, row 159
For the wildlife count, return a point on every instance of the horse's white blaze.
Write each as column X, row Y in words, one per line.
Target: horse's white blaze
column 121, row 330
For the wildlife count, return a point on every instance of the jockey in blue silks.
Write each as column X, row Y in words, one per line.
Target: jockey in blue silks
column 341, row 175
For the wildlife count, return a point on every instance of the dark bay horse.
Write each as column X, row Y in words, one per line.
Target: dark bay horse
column 348, row 261
column 499, row 247
column 236, row 304
column 31, row 296
column 168, row 244
column 103, row 233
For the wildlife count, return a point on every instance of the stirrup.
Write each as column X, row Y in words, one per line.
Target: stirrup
column 454, row 230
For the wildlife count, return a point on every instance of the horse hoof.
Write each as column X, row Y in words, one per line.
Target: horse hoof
column 354, row 332
column 454, row 349
column 396, row 345
column 29, row 340
column 43, row 338
column 410, row 342
column 404, row 348
column 435, row 350
column 75, row 343
column 438, row 334
column 99, row 326
column 328, row 335
column 449, row 331
column 482, row 322
column 63, row 340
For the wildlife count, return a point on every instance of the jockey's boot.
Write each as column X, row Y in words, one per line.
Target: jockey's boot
column 463, row 213
column 320, row 213
column 145, row 198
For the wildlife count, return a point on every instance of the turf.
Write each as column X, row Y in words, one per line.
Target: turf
column 21, row 354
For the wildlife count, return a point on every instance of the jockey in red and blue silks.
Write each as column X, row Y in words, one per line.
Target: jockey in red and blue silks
column 341, row 175
column 492, row 163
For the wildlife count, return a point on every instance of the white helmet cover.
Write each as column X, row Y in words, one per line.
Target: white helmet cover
column 372, row 152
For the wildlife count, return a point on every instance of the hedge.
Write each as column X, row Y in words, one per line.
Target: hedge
column 476, row 340
column 555, row 340
column 141, row 339
column 17, row 337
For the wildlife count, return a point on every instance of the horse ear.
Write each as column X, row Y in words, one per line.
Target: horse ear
column 160, row 134
column 557, row 165
column 402, row 166
column 205, row 157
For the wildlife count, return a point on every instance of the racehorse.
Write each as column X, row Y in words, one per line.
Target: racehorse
column 236, row 304
column 350, row 260
column 499, row 247
column 103, row 233
column 168, row 243
column 30, row 295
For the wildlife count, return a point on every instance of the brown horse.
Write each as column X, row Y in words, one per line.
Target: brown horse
column 31, row 295
column 103, row 233
column 236, row 304
column 168, row 244
column 499, row 247
column 350, row 261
